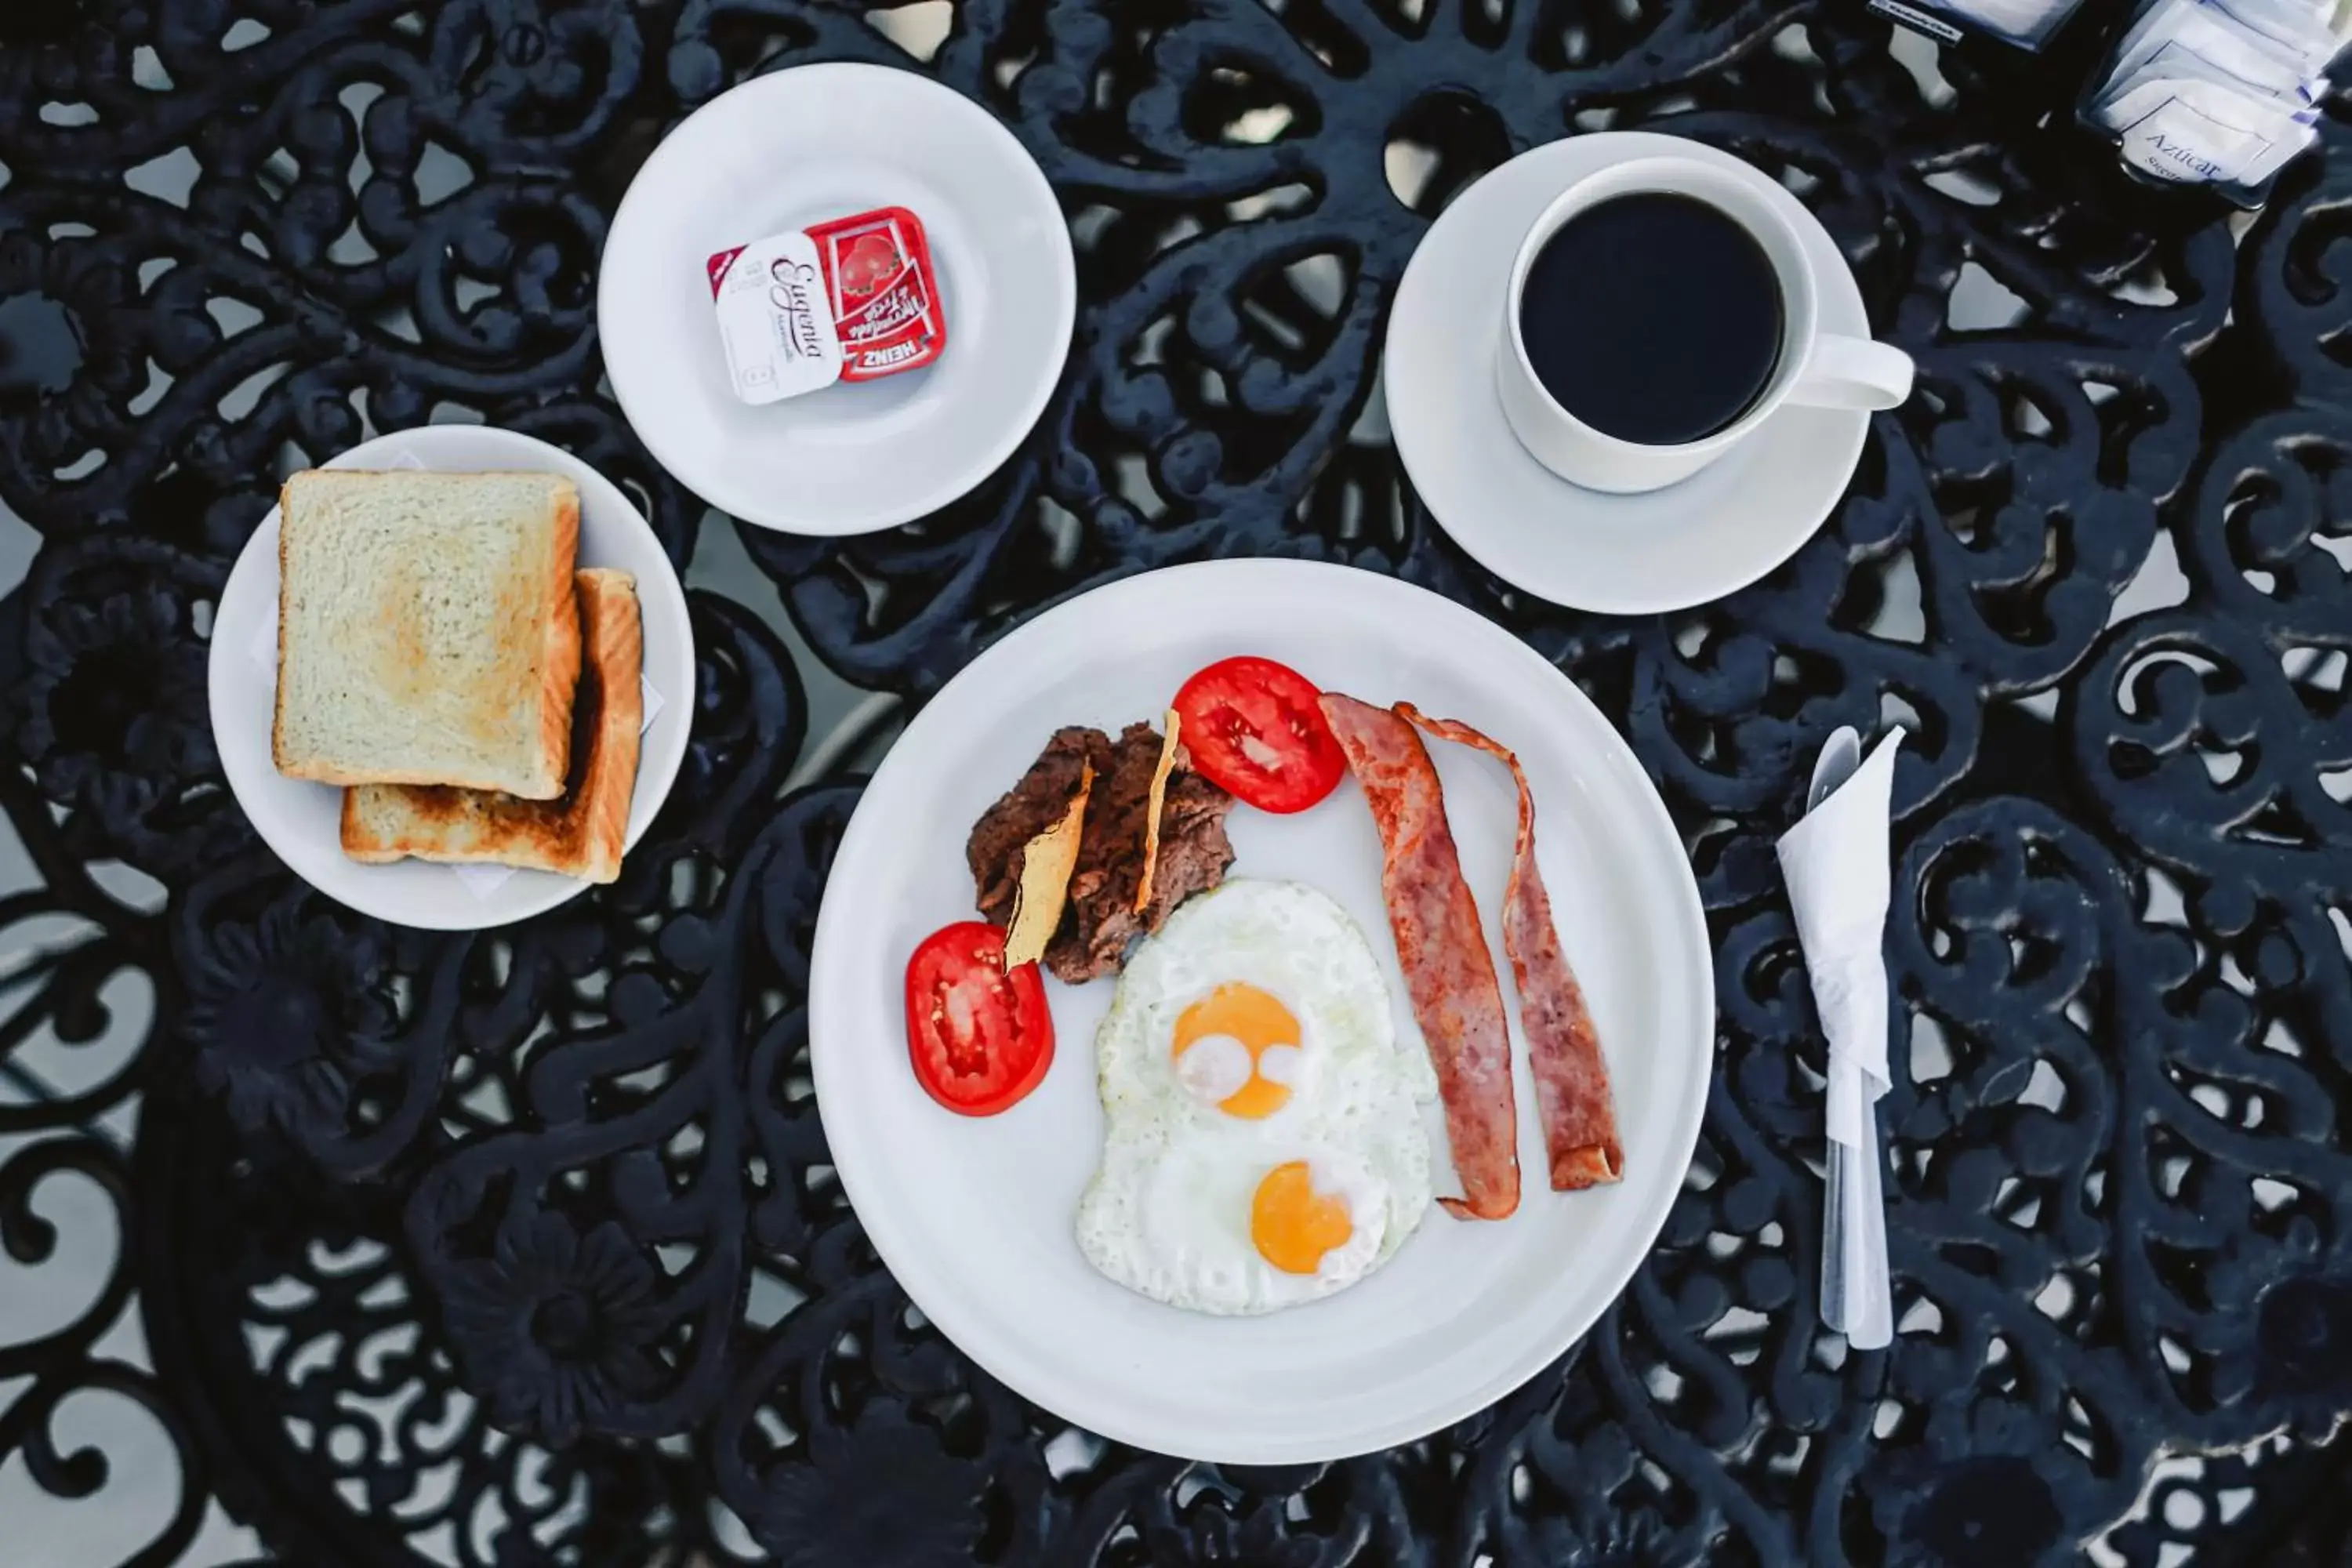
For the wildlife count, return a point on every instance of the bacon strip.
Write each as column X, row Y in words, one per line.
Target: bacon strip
column 1579, row 1118
column 1442, row 950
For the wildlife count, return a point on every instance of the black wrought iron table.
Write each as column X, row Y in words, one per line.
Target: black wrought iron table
column 254, row 1150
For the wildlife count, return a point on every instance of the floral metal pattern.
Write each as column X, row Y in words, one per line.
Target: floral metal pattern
column 522, row 1247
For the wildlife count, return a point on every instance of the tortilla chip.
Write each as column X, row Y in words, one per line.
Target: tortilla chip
column 1153, row 806
column 1046, row 862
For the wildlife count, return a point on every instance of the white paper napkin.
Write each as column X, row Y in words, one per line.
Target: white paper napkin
column 1835, row 863
column 479, row 880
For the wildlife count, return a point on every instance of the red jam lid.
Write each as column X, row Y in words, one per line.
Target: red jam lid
column 885, row 294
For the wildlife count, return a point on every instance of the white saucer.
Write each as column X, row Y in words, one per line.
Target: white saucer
column 795, row 148
column 302, row 821
column 1713, row 533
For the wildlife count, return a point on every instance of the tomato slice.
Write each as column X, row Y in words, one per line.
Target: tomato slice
column 981, row 1038
column 1255, row 729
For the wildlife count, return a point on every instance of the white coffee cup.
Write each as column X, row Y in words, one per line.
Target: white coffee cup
column 1816, row 369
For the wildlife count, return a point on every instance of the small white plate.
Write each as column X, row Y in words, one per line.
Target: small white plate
column 1715, row 532
column 973, row 1215
column 302, row 821
column 796, row 148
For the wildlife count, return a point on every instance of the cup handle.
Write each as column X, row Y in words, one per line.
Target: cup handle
column 1852, row 373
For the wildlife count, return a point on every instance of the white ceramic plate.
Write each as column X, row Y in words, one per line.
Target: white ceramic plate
column 795, row 148
column 973, row 1215
column 301, row 821
column 1710, row 535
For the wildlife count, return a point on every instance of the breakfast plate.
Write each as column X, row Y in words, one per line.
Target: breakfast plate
column 302, row 820
column 803, row 146
column 1709, row 535
column 978, row 1216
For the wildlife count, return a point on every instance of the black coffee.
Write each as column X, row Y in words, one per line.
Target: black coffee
column 1653, row 317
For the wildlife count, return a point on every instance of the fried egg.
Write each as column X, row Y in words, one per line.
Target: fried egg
column 1263, row 1144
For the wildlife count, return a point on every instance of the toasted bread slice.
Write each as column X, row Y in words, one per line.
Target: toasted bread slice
column 581, row 834
column 427, row 630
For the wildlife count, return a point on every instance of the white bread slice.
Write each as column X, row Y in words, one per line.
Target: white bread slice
column 581, row 834
column 427, row 631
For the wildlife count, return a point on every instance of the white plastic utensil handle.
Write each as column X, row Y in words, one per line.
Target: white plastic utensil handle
column 1870, row 1301
column 1834, row 1257
column 1857, row 1297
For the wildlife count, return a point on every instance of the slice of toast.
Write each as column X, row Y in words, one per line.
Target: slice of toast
column 581, row 835
column 427, row 630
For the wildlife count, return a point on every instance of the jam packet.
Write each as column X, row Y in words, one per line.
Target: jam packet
column 851, row 299
column 886, row 300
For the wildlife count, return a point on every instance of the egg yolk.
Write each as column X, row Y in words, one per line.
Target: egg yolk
column 1293, row 1224
column 1236, row 1048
